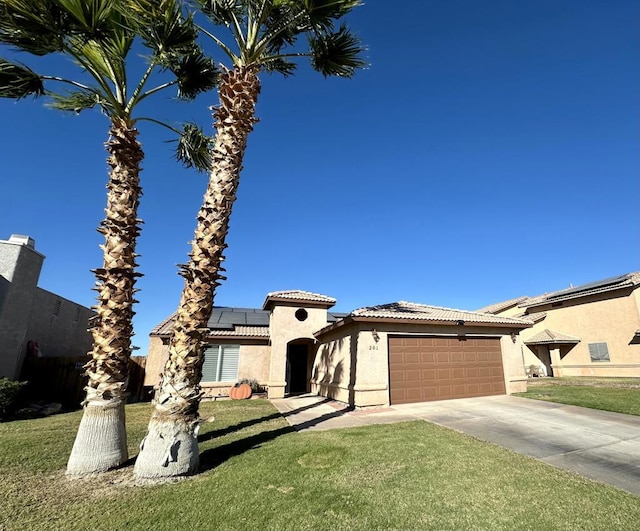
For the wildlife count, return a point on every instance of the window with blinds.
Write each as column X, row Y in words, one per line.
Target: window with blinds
column 220, row 363
column 598, row 352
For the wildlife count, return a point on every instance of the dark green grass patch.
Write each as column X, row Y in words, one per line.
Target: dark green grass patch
column 257, row 473
column 608, row 394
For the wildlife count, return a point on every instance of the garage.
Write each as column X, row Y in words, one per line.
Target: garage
column 430, row 368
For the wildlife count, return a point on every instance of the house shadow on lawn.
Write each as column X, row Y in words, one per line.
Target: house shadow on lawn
column 214, row 457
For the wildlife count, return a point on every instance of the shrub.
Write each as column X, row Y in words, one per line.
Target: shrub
column 9, row 391
column 251, row 382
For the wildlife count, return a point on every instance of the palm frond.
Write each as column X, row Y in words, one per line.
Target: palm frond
column 162, row 26
column 277, row 64
column 282, row 27
column 194, row 148
column 35, row 26
column 92, row 18
column 77, row 101
column 18, row 81
column 337, row 54
column 220, row 12
column 323, row 13
column 101, row 61
column 196, row 73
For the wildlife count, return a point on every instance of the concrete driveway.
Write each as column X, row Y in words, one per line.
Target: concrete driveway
column 599, row 445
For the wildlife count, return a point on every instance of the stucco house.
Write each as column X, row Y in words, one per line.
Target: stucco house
column 34, row 321
column 374, row 356
column 588, row 330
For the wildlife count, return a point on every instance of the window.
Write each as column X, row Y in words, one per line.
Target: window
column 598, row 352
column 56, row 307
column 220, row 363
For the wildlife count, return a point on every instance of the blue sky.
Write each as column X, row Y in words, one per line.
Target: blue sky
column 489, row 151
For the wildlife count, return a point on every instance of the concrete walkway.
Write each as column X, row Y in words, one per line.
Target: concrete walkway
column 599, row 445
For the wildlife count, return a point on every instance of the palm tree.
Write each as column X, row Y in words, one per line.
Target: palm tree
column 263, row 37
column 98, row 35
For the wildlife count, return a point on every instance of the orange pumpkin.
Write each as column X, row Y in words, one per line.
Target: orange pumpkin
column 240, row 392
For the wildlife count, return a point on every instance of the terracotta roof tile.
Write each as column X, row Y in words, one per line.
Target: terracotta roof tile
column 548, row 336
column 242, row 331
column 592, row 288
column 164, row 328
column 423, row 312
column 535, row 317
column 504, row 305
column 299, row 295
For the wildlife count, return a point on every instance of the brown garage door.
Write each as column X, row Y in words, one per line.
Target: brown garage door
column 439, row 368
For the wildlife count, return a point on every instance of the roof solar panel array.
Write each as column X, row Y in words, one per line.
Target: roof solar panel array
column 223, row 318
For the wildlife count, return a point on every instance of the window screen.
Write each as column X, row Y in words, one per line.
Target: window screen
column 220, row 363
column 598, row 352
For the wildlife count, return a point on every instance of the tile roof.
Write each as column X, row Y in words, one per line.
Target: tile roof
column 423, row 312
column 500, row 306
column 164, row 328
column 592, row 288
column 535, row 317
column 547, row 337
column 236, row 329
column 236, row 322
column 242, row 331
column 299, row 295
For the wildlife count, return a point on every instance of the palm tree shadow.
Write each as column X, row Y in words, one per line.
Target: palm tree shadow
column 214, row 457
column 248, row 423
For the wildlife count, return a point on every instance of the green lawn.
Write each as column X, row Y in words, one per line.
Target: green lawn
column 259, row 474
column 621, row 395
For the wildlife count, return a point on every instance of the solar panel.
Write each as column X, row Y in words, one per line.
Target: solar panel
column 233, row 317
column 258, row 318
column 586, row 287
column 220, row 326
column 215, row 320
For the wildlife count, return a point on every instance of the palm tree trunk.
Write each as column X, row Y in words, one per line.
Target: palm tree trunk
column 171, row 445
column 101, row 442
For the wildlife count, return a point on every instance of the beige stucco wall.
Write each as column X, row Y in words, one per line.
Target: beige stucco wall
column 354, row 349
column 156, row 358
column 285, row 327
column 514, row 311
column 331, row 372
column 253, row 363
column 595, row 319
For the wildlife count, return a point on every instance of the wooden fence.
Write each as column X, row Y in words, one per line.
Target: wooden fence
column 62, row 380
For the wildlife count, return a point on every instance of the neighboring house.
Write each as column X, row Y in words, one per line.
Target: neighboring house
column 33, row 321
column 589, row 330
column 380, row 355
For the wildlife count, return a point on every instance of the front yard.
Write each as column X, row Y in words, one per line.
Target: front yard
column 621, row 395
column 259, row 474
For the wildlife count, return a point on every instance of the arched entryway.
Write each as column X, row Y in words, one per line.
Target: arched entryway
column 300, row 355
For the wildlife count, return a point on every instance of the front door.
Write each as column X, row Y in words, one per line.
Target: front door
column 297, row 369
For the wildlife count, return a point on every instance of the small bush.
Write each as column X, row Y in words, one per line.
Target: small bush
column 251, row 382
column 9, row 391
